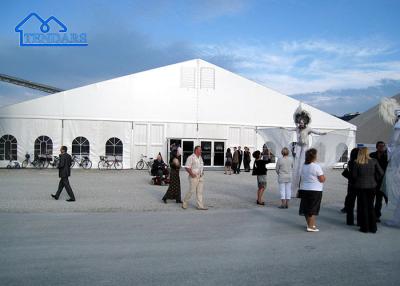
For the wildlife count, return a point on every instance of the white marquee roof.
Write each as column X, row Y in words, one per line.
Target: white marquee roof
column 191, row 91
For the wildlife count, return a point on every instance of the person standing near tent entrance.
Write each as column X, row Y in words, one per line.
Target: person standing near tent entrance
column 64, row 171
column 240, row 154
column 246, row 159
column 195, row 167
column 235, row 160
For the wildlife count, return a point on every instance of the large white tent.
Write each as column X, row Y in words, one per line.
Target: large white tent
column 191, row 103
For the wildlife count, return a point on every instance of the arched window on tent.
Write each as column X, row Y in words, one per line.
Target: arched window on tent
column 114, row 147
column 342, row 151
column 80, row 147
column 43, row 146
column 8, row 147
column 272, row 148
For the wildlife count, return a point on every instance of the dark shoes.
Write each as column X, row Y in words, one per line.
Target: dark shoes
column 260, row 203
column 343, row 210
column 164, row 200
column 71, row 200
column 54, row 197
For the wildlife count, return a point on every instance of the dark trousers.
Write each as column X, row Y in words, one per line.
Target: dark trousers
column 365, row 210
column 349, row 205
column 234, row 167
column 246, row 165
column 238, row 167
column 64, row 182
column 378, row 202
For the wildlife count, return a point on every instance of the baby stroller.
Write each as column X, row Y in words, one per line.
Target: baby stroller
column 159, row 171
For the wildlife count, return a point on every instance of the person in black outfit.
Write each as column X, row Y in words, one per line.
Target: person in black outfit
column 160, row 169
column 64, row 171
column 364, row 174
column 381, row 156
column 351, row 196
column 246, row 159
column 174, row 189
column 260, row 170
column 240, row 159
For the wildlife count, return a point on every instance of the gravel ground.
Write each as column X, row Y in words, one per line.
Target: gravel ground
column 130, row 190
column 119, row 232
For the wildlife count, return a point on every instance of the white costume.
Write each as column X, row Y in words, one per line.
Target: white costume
column 302, row 119
column 392, row 176
column 390, row 111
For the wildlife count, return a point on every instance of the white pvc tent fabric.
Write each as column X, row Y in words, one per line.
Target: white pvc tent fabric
column 330, row 147
column 144, row 109
column 98, row 133
column 26, row 131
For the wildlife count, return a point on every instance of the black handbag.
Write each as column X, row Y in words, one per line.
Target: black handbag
column 346, row 173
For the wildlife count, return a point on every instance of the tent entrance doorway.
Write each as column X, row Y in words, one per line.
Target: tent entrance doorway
column 213, row 150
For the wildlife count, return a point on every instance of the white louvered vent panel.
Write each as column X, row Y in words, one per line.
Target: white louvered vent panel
column 207, row 78
column 188, row 77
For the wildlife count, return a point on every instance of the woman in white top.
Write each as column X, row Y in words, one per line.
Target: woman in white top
column 312, row 179
column 284, row 168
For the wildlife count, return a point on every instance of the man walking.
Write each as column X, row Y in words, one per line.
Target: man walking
column 381, row 156
column 194, row 166
column 64, row 171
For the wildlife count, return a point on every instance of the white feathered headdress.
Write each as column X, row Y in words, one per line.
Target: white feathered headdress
column 387, row 110
column 299, row 114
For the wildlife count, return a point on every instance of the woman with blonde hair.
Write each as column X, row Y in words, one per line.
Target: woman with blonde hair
column 283, row 168
column 365, row 173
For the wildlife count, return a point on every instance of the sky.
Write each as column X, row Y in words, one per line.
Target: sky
column 338, row 55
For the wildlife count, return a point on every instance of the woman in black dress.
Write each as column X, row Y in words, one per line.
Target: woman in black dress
column 228, row 162
column 174, row 189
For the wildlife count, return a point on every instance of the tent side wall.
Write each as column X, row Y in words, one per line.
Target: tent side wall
column 137, row 138
column 26, row 131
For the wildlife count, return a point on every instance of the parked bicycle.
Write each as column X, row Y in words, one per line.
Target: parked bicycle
column 13, row 164
column 84, row 162
column 54, row 162
column 39, row 162
column 106, row 163
column 144, row 162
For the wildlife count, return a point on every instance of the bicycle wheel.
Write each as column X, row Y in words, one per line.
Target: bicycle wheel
column 87, row 164
column 45, row 164
column 35, row 164
column 24, row 164
column 118, row 165
column 101, row 165
column 149, row 166
column 140, row 165
column 109, row 164
column 40, row 164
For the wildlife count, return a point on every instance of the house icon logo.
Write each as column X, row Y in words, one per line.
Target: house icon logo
column 35, row 31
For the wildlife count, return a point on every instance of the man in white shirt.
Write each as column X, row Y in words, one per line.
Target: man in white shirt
column 195, row 167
